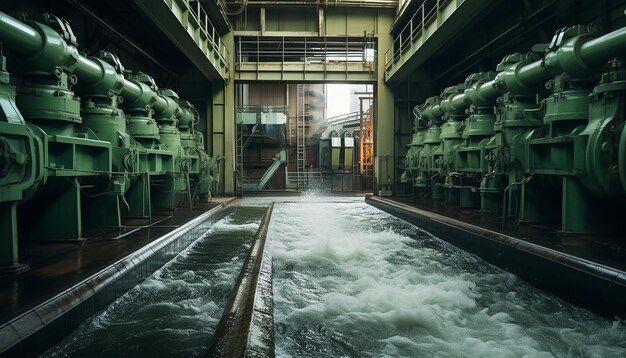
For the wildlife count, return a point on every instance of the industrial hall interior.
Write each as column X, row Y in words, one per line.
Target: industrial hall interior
column 313, row 178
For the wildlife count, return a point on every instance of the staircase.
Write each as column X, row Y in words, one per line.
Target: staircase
column 264, row 181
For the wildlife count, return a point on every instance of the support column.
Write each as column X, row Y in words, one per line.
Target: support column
column 8, row 234
column 384, row 162
column 222, row 126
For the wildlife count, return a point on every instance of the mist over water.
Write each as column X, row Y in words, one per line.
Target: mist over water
column 174, row 312
column 353, row 281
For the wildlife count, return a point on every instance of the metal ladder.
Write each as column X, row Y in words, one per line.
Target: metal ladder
column 239, row 173
column 301, row 114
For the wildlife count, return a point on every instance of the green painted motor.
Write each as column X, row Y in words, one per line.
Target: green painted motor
column 517, row 115
column 156, row 160
column 422, row 178
column 595, row 188
column 428, row 179
column 557, row 150
column 139, row 116
column 202, row 166
column 561, row 159
column 170, row 137
column 478, row 128
column 413, row 169
column 605, row 158
column 433, row 149
column 72, row 157
column 451, row 129
column 19, row 167
column 82, row 164
column 411, row 161
column 100, row 109
column 102, row 116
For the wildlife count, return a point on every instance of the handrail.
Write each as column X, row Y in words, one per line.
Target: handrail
column 206, row 26
column 422, row 18
column 326, row 3
column 254, row 108
column 345, row 118
column 310, row 50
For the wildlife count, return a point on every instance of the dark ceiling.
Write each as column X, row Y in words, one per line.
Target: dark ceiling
column 514, row 26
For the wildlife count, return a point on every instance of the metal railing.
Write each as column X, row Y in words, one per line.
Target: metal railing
column 347, row 118
column 423, row 17
column 253, row 108
column 200, row 17
column 325, row 3
column 303, row 180
column 251, row 49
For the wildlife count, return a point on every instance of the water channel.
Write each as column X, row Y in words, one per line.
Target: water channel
column 349, row 281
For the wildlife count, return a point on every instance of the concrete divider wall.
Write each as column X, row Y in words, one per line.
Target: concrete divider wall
column 587, row 284
column 47, row 324
column 246, row 328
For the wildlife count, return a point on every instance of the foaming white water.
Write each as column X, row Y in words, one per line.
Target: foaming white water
column 229, row 223
column 310, row 196
column 351, row 280
column 173, row 312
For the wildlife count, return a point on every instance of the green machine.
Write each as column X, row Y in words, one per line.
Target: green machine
column 506, row 145
column 128, row 147
column 339, row 148
column 477, row 130
column 204, row 169
column 19, row 168
column 67, row 156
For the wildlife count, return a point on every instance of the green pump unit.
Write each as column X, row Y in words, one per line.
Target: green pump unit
column 542, row 139
column 121, row 149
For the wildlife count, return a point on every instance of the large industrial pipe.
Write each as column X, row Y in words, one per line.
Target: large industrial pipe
column 596, row 52
column 90, row 72
column 21, row 38
column 44, row 47
column 575, row 55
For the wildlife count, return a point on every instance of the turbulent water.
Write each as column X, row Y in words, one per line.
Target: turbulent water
column 352, row 281
column 174, row 312
column 349, row 281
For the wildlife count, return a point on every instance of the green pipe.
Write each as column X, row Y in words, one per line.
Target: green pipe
column 576, row 55
column 533, row 73
column 91, row 72
column 45, row 49
column 481, row 94
column 455, row 104
column 166, row 106
column 131, row 90
column 595, row 52
column 21, row 38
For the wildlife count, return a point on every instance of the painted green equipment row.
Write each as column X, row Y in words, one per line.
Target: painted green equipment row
column 542, row 139
column 122, row 149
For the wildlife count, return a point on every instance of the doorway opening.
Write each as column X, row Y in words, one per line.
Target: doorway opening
column 302, row 136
